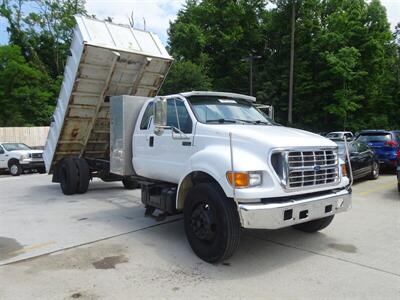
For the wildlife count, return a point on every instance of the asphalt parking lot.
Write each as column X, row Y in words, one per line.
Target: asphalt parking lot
column 100, row 246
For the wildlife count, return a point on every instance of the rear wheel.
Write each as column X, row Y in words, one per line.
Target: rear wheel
column 130, row 184
column 375, row 171
column 315, row 225
column 83, row 175
column 42, row 170
column 68, row 176
column 15, row 168
column 212, row 223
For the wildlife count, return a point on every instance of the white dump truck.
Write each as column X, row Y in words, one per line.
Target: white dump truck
column 213, row 156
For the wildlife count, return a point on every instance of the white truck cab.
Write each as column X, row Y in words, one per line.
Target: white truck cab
column 275, row 176
column 17, row 157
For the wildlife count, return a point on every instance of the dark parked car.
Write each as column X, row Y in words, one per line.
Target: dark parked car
column 398, row 170
column 364, row 162
column 385, row 144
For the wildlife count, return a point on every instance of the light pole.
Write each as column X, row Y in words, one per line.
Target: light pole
column 250, row 59
column 290, row 106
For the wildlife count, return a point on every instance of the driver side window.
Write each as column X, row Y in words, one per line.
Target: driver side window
column 178, row 116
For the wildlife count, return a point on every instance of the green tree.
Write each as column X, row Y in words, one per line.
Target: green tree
column 217, row 35
column 185, row 76
column 343, row 65
column 25, row 97
column 44, row 34
column 345, row 57
column 43, row 38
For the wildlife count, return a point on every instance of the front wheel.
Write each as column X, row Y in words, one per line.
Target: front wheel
column 211, row 222
column 375, row 171
column 15, row 169
column 315, row 225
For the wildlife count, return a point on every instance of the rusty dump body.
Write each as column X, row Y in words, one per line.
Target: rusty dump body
column 106, row 60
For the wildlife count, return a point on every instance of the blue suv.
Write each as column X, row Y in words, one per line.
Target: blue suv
column 386, row 144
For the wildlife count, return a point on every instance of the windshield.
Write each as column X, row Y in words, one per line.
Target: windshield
column 15, row 146
column 334, row 135
column 377, row 137
column 219, row 110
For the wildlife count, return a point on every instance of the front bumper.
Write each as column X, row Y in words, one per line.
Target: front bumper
column 27, row 165
column 284, row 214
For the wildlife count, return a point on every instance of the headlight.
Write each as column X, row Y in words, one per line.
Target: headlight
column 244, row 179
column 24, row 156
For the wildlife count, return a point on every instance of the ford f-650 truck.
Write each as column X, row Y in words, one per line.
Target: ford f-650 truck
column 213, row 156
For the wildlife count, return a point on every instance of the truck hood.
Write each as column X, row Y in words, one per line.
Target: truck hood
column 22, row 152
column 273, row 136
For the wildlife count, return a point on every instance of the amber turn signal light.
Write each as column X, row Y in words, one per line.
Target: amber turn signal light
column 344, row 170
column 241, row 179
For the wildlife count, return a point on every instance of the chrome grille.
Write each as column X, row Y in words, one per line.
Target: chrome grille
column 37, row 155
column 311, row 168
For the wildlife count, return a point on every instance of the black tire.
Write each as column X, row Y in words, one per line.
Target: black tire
column 42, row 170
column 15, row 168
column 315, row 225
column 130, row 184
column 212, row 223
column 375, row 171
column 83, row 175
column 68, row 176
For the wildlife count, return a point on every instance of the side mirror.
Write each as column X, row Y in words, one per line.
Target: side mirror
column 160, row 115
column 1, row 151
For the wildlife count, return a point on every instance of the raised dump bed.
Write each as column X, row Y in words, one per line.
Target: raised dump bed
column 106, row 60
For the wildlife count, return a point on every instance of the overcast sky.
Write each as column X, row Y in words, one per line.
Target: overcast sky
column 158, row 13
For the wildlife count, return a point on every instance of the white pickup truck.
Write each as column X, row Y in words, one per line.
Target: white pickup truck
column 215, row 157
column 17, row 157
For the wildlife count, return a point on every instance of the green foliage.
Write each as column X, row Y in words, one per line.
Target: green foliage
column 185, row 76
column 32, row 67
column 25, row 95
column 346, row 59
column 217, row 35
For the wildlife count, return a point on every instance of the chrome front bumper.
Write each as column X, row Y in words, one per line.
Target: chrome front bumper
column 291, row 212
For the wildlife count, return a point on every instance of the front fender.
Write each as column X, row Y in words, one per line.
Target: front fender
column 216, row 161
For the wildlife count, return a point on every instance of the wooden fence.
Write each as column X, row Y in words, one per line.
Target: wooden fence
column 32, row 136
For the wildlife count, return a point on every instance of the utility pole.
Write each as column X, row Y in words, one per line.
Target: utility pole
column 250, row 59
column 290, row 106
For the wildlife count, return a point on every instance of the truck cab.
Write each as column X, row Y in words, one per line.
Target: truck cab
column 273, row 176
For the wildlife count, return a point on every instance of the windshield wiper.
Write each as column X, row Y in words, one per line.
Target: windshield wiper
column 221, row 121
column 256, row 122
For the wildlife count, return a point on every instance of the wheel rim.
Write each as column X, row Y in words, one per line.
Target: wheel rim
column 202, row 222
column 14, row 169
column 375, row 170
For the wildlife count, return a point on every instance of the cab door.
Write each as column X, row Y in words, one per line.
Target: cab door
column 3, row 158
column 174, row 147
column 366, row 158
column 143, row 141
column 355, row 159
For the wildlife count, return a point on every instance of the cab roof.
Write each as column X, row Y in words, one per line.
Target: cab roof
column 219, row 94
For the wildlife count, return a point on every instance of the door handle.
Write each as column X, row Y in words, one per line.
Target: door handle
column 151, row 141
